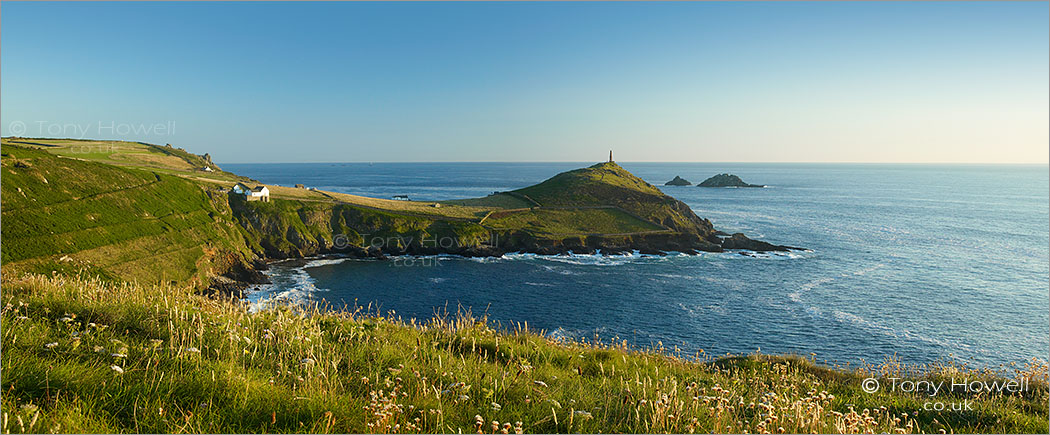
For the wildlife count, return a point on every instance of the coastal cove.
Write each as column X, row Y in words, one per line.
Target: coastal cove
column 904, row 259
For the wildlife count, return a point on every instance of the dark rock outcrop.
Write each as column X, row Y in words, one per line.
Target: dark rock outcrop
column 678, row 181
column 726, row 180
column 740, row 241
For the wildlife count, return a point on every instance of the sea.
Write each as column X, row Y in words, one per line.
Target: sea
column 914, row 262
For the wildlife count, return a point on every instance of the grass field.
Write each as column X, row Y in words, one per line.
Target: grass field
column 164, row 360
column 174, row 161
column 80, row 216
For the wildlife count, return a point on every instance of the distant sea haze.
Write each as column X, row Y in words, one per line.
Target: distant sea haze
column 924, row 262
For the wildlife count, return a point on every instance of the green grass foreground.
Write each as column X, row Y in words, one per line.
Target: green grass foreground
column 85, row 355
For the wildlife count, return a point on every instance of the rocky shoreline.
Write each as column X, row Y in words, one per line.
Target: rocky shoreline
column 288, row 229
column 240, row 276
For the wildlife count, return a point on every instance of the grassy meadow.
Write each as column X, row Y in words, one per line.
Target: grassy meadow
column 73, row 216
column 167, row 360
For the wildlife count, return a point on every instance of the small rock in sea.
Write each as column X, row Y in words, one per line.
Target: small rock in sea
column 678, row 181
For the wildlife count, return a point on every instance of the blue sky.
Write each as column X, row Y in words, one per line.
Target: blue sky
column 764, row 82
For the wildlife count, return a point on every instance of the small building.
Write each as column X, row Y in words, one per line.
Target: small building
column 208, row 169
column 260, row 193
column 257, row 193
column 300, row 186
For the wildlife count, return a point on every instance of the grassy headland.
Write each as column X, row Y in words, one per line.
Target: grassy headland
column 150, row 213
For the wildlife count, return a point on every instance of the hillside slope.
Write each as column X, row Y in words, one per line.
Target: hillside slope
column 611, row 185
column 68, row 215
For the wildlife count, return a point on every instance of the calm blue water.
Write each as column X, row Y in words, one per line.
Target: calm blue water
column 922, row 261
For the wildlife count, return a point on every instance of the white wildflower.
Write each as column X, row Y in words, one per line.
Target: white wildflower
column 117, row 369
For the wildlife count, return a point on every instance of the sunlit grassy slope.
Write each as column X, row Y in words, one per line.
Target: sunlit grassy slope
column 609, row 184
column 176, row 161
column 75, row 216
column 81, row 355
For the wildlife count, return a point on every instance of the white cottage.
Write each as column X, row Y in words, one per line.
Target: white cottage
column 260, row 193
column 257, row 193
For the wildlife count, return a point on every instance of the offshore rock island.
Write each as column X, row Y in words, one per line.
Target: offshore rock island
column 726, row 180
column 678, row 181
column 158, row 213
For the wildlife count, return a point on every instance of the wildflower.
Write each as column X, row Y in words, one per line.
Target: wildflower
column 581, row 413
column 540, row 383
column 496, row 406
column 364, row 379
column 117, row 369
column 118, row 355
column 29, row 407
column 463, row 397
column 51, row 345
column 98, row 349
column 156, row 342
column 66, row 319
column 193, row 350
column 307, row 361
